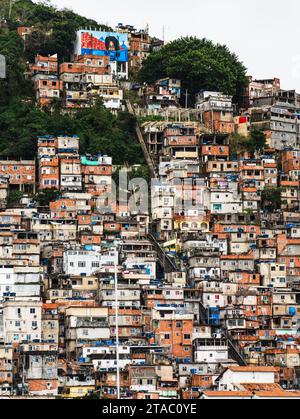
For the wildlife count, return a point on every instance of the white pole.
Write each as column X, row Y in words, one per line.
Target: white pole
column 117, row 328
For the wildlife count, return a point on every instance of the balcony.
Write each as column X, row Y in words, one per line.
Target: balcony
column 91, row 324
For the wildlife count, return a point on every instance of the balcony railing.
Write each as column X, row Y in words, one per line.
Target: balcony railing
column 91, row 324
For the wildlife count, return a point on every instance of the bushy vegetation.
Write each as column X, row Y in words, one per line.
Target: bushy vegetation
column 21, row 122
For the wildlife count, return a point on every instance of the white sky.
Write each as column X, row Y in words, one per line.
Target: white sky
column 263, row 33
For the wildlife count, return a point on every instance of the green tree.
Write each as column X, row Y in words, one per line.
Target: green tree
column 142, row 172
column 20, row 124
column 238, row 143
column 257, row 141
column 200, row 64
column 102, row 132
column 14, row 198
column 43, row 198
column 271, row 198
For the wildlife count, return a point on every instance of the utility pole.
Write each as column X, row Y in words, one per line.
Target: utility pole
column 186, row 98
column 23, row 374
column 117, row 326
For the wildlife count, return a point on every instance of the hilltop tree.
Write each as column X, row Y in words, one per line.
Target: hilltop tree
column 200, row 64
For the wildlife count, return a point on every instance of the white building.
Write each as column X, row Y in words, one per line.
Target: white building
column 22, row 320
column 210, row 350
column 233, row 377
column 85, row 262
column 207, row 100
column 85, row 324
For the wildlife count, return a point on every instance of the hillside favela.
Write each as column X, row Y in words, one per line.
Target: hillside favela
column 149, row 215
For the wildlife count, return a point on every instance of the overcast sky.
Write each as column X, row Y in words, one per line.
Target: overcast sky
column 263, row 33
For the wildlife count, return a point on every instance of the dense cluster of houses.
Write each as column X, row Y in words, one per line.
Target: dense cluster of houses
column 235, row 246
column 77, row 84
column 207, row 302
column 207, row 280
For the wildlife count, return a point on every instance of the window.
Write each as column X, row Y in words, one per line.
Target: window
column 95, row 264
column 81, row 264
column 282, row 280
column 217, row 207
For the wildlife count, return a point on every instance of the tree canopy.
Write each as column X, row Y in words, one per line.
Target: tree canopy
column 99, row 131
column 200, row 64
